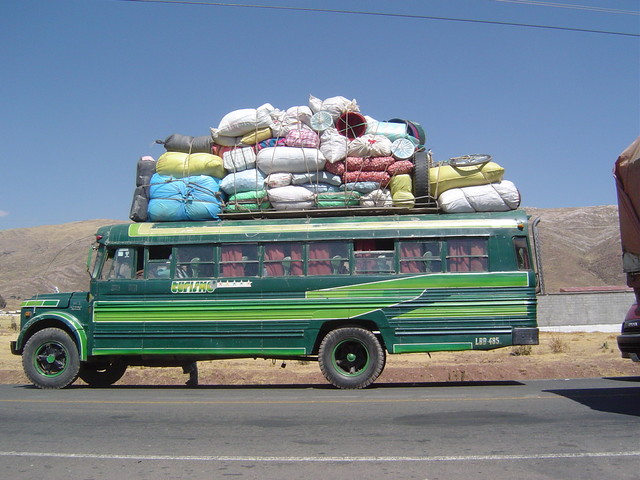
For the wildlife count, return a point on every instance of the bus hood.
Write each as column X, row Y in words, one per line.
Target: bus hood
column 52, row 300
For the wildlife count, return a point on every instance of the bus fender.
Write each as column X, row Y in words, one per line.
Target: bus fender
column 379, row 319
column 53, row 319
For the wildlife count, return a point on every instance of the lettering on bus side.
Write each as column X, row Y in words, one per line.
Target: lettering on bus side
column 206, row 286
column 192, row 286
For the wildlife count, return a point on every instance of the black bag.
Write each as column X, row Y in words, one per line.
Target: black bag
column 186, row 143
column 139, row 204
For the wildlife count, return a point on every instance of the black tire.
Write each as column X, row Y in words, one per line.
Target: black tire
column 421, row 178
column 470, row 160
column 351, row 357
column 102, row 374
column 50, row 359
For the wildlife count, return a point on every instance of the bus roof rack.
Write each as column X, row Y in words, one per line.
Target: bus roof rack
column 327, row 212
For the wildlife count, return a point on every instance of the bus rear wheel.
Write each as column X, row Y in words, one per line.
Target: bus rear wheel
column 50, row 359
column 102, row 374
column 351, row 357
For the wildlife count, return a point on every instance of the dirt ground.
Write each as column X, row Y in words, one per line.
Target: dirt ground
column 559, row 355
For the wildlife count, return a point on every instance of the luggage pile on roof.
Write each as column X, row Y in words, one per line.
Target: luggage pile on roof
column 322, row 156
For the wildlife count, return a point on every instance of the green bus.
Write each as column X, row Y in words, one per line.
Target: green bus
column 344, row 291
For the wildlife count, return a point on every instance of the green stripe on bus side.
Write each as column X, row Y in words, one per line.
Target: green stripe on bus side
column 431, row 347
column 200, row 351
column 432, row 280
column 397, row 304
column 469, row 309
column 151, row 229
column 272, row 310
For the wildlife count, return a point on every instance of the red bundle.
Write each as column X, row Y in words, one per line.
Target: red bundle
column 400, row 167
column 382, row 178
column 370, row 164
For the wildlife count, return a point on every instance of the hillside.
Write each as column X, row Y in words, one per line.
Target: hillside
column 39, row 259
column 580, row 248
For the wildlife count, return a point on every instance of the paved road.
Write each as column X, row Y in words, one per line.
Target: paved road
column 559, row 429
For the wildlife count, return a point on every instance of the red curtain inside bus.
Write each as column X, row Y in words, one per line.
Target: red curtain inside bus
column 468, row 255
column 232, row 253
column 411, row 250
column 319, row 259
column 276, row 262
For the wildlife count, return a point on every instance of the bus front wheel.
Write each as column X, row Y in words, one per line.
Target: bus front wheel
column 50, row 359
column 102, row 374
column 351, row 357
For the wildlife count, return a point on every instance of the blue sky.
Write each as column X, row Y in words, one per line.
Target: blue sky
column 88, row 85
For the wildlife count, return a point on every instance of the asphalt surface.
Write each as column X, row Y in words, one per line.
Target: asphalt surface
column 556, row 429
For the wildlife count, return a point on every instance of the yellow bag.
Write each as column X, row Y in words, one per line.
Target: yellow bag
column 179, row 165
column 445, row 177
column 401, row 191
column 256, row 136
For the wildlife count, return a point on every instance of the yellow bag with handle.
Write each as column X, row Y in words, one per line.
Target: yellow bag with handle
column 180, row 165
column 446, row 177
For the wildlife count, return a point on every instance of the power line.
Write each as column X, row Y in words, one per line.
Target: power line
column 380, row 14
column 571, row 7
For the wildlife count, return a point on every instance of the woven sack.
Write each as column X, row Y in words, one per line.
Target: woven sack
column 239, row 159
column 302, row 137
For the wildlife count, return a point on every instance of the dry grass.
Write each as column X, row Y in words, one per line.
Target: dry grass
column 558, row 344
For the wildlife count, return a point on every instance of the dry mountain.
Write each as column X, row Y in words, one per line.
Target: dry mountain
column 580, row 248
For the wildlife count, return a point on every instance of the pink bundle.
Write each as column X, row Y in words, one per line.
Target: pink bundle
column 302, row 137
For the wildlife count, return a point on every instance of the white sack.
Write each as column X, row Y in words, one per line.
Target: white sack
column 377, row 198
column 239, row 122
column 316, row 177
column 239, row 159
column 291, row 198
column 333, row 145
column 290, row 160
column 336, row 106
column 245, row 181
column 276, row 180
column 369, row 146
column 292, row 118
column 495, row 197
column 293, row 205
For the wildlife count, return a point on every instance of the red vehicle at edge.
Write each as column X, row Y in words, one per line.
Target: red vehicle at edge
column 627, row 176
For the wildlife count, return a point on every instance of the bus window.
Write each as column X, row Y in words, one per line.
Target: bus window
column 95, row 260
column 418, row 257
column 194, row 261
column 467, row 255
column 282, row 258
column 239, row 260
column 118, row 264
column 373, row 256
column 522, row 253
column 328, row 258
column 159, row 261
